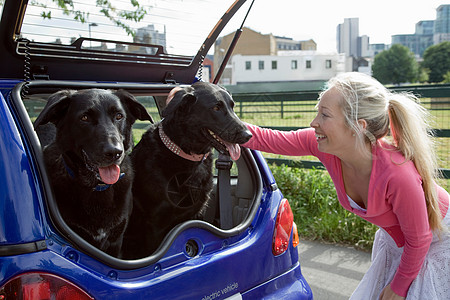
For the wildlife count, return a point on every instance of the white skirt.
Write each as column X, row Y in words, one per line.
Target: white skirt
column 432, row 282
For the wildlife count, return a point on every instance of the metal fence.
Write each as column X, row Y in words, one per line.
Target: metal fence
column 293, row 110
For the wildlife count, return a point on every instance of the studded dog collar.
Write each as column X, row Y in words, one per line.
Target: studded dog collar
column 176, row 149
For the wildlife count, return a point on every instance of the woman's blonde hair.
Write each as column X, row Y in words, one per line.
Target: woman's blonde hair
column 401, row 115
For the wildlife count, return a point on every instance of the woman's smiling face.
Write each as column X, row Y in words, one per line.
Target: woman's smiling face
column 332, row 133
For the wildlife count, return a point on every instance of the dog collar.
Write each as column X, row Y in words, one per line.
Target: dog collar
column 100, row 187
column 68, row 169
column 176, row 149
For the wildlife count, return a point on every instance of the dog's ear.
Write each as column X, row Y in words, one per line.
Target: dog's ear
column 181, row 102
column 137, row 110
column 55, row 108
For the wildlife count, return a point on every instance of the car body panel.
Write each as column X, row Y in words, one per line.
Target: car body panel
column 18, row 189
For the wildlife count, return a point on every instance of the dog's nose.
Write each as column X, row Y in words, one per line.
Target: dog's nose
column 112, row 152
column 247, row 135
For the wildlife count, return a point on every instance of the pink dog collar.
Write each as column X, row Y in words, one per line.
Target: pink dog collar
column 176, row 149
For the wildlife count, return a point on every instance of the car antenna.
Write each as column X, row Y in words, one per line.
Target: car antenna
column 231, row 47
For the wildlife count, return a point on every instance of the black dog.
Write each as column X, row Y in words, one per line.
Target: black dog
column 173, row 165
column 87, row 163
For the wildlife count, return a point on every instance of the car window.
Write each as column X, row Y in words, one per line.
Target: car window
column 180, row 26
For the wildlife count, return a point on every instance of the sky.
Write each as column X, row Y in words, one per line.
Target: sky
column 298, row 19
column 318, row 19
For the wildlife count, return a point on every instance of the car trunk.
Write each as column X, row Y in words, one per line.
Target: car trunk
column 39, row 68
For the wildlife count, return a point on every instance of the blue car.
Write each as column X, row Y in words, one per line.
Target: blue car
column 51, row 45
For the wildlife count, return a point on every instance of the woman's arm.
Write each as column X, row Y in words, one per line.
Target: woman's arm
column 293, row 143
column 407, row 198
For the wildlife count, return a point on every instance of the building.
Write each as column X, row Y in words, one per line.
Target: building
column 407, row 40
column 286, row 43
column 374, row 49
column 363, row 46
column 354, row 47
column 253, row 43
column 250, row 43
column 148, row 35
column 295, row 65
column 420, row 40
column 358, row 49
column 425, row 35
column 347, row 35
column 442, row 24
column 427, row 32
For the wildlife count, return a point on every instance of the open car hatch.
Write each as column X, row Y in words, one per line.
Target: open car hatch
column 113, row 48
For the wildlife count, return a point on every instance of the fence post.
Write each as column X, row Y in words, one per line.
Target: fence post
column 282, row 109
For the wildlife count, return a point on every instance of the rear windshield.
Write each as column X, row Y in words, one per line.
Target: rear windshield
column 177, row 25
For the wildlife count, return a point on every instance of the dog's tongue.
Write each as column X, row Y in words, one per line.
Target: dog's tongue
column 110, row 174
column 233, row 149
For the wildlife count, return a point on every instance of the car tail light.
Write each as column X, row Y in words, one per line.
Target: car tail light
column 283, row 228
column 31, row 286
column 295, row 239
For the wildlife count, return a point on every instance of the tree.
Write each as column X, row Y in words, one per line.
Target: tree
column 106, row 8
column 424, row 75
column 436, row 58
column 396, row 65
column 446, row 77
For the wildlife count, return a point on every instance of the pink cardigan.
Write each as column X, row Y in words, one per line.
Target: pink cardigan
column 395, row 202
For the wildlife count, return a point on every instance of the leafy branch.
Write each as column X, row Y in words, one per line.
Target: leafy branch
column 106, row 8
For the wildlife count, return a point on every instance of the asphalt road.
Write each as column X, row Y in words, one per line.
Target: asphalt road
column 332, row 271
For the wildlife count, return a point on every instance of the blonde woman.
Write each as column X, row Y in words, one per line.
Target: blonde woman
column 389, row 182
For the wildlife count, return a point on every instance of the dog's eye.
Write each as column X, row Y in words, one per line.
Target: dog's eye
column 218, row 106
column 119, row 116
column 84, row 118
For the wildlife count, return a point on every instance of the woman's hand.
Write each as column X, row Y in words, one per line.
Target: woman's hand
column 388, row 294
